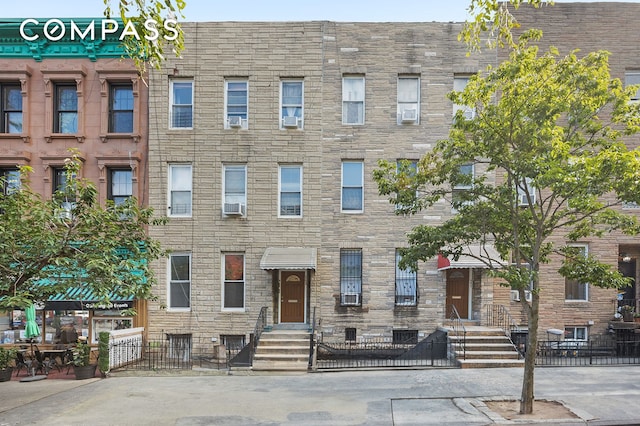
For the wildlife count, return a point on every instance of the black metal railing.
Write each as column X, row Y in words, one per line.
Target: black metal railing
column 261, row 323
column 601, row 350
column 312, row 338
column 459, row 331
column 380, row 353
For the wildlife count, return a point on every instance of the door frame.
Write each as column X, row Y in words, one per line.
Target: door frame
column 469, row 291
column 305, row 274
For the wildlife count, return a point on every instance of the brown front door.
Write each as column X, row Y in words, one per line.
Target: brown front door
column 458, row 292
column 292, row 284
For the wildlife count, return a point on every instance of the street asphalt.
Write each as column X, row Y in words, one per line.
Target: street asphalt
column 596, row 395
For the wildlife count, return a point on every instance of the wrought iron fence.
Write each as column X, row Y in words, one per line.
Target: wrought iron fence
column 382, row 354
column 606, row 350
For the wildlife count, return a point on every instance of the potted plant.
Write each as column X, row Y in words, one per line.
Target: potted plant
column 627, row 313
column 82, row 367
column 7, row 357
column 636, row 317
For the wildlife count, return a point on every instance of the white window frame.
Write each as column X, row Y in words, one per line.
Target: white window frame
column 459, row 83
column 351, row 280
column 244, row 120
column 523, row 195
column 171, row 103
column 343, row 186
column 586, row 290
column 189, row 188
column 170, row 308
column 632, row 78
column 349, row 98
column 461, row 188
column 280, row 191
column 575, row 333
column 408, row 104
column 226, row 197
column 243, row 281
column 413, row 165
column 283, row 105
column 402, row 275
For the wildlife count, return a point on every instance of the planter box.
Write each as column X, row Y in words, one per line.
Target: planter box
column 5, row 374
column 85, row 371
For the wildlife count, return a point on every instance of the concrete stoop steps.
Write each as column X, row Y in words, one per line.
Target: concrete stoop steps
column 486, row 347
column 282, row 350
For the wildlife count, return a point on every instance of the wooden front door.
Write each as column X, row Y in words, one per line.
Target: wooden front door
column 292, row 286
column 458, row 292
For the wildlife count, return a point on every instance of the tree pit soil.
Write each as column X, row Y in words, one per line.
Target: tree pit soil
column 542, row 410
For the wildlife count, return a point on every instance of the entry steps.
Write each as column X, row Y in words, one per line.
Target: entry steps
column 486, row 347
column 282, row 350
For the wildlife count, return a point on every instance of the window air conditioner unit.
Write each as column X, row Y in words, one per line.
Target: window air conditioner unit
column 233, row 209
column 515, row 296
column 409, row 116
column 290, row 121
column 234, row 121
column 350, row 299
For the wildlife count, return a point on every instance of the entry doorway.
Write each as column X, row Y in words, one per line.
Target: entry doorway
column 293, row 290
column 458, row 292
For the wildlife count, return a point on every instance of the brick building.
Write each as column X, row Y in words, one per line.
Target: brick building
column 78, row 94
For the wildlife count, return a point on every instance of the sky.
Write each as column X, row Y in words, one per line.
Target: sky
column 264, row 10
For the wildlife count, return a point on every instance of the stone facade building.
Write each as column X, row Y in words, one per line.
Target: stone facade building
column 81, row 95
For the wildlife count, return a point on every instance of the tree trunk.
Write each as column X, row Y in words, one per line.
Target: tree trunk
column 527, row 397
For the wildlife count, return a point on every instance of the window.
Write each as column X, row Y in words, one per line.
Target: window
column 65, row 118
column 405, row 337
column 408, row 100
column 350, row 334
column 120, row 185
column 180, row 190
column 235, row 189
column 528, row 196
column 632, row 78
column 350, row 277
column 290, row 200
column 121, row 108
column 181, row 100
column 352, row 199
column 291, row 103
column 410, row 167
column 467, row 174
column 108, row 321
column 11, row 108
column 459, row 83
column 237, row 103
column 406, row 285
column 233, row 288
column 353, row 100
column 179, row 281
column 574, row 290
column 575, row 333
column 10, row 180
column 234, row 342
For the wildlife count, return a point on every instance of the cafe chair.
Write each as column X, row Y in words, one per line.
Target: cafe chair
column 22, row 362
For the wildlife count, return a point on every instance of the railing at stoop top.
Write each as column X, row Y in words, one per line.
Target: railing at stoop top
column 459, row 330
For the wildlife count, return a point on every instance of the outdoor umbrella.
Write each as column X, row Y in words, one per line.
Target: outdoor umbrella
column 31, row 329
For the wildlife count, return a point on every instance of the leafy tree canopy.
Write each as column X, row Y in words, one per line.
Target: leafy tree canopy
column 50, row 246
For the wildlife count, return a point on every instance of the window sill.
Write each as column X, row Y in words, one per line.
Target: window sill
column 135, row 138
column 15, row 136
column 576, row 301
column 178, row 310
column 64, row 137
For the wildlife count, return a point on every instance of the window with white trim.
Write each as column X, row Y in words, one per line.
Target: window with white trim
column 573, row 289
column 576, row 334
column 233, row 288
column 528, row 196
column 235, row 189
column 410, row 167
column 290, row 189
column 236, row 112
column 352, row 198
column 408, row 100
column 179, row 296
column 459, row 83
column 181, row 104
column 632, row 78
column 406, row 284
column 467, row 171
column 291, row 103
column 351, row 276
column 353, row 100
column 180, row 190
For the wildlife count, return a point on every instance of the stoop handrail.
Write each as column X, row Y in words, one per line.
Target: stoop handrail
column 261, row 323
column 499, row 316
column 459, row 329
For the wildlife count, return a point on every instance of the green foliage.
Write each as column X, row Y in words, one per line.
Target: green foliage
column 492, row 19
column 7, row 357
column 46, row 249
column 103, row 351
column 82, row 354
column 145, row 51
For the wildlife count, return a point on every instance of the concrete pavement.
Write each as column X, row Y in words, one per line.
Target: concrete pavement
column 597, row 395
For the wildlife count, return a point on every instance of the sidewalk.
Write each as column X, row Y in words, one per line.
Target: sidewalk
column 597, row 395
